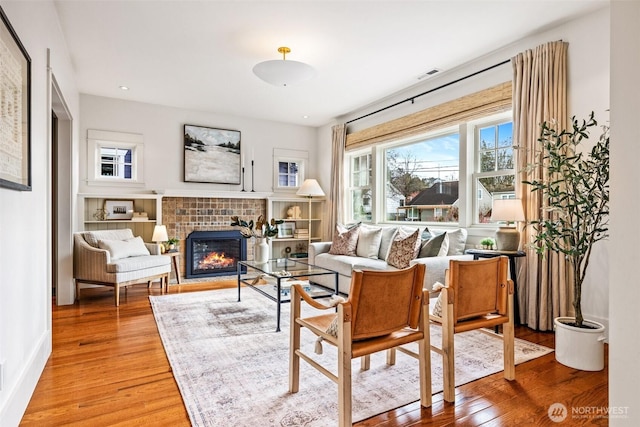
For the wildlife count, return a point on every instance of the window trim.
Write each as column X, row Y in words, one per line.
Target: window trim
column 299, row 157
column 98, row 139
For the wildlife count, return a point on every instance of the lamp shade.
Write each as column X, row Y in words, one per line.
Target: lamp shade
column 160, row 234
column 509, row 210
column 282, row 72
column 310, row 188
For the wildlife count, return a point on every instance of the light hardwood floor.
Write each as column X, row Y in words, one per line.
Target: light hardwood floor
column 108, row 367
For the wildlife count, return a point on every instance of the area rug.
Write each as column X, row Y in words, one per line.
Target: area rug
column 232, row 367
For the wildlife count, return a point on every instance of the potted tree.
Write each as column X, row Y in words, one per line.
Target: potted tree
column 575, row 192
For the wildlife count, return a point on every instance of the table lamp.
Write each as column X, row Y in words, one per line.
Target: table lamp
column 310, row 188
column 509, row 210
column 160, row 236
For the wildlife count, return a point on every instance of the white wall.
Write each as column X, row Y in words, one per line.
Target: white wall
column 25, row 284
column 624, row 347
column 162, row 128
column 588, row 38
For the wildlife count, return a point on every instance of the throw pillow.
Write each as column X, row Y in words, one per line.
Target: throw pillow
column 457, row 241
column 345, row 241
column 368, row 241
column 385, row 241
column 119, row 249
column 403, row 249
column 431, row 247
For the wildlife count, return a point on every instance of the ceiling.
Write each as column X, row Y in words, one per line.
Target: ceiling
column 199, row 55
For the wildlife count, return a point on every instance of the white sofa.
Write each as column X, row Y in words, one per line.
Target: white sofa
column 118, row 259
column 344, row 264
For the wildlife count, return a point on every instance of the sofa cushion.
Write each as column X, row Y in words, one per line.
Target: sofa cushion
column 385, row 241
column 93, row 237
column 119, row 249
column 125, row 265
column 344, row 241
column 431, row 247
column 344, row 264
column 404, row 248
column 368, row 241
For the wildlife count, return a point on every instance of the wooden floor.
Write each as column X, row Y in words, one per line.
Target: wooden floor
column 108, row 367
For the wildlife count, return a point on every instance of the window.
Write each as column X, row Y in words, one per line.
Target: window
column 494, row 175
column 289, row 169
column 360, row 197
column 448, row 176
column 114, row 157
column 422, row 179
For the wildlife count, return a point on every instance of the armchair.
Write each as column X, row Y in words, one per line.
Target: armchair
column 477, row 295
column 118, row 259
column 385, row 310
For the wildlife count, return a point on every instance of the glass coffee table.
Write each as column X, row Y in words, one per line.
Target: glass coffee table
column 279, row 274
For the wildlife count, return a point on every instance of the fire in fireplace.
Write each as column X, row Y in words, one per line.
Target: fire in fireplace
column 214, row 253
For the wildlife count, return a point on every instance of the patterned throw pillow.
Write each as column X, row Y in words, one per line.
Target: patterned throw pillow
column 403, row 249
column 345, row 241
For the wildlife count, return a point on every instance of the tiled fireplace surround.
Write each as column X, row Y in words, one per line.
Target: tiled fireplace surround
column 182, row 215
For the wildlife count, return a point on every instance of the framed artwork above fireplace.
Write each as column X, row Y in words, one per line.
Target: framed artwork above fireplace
column 212, row 155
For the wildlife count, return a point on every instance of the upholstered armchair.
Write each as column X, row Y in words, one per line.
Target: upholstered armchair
column 118, row 259
column 385, row 310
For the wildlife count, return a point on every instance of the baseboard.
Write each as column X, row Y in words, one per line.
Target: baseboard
column 20, row 394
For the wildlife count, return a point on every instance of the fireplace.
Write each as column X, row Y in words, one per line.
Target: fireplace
column 214, row 253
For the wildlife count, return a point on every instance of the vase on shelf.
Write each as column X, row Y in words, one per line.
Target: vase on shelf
column 261, row 250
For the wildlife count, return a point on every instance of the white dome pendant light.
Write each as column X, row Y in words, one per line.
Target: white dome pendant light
column 284, row 72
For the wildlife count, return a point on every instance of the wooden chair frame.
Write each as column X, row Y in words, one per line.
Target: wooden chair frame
column 348, row 348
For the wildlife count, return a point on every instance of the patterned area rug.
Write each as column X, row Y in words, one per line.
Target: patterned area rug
column 232, row 367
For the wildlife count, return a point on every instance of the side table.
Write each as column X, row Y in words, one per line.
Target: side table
column 512, row 255
column 175, row 259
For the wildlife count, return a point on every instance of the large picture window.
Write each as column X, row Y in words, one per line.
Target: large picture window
column 446, row 176
column 422, row 180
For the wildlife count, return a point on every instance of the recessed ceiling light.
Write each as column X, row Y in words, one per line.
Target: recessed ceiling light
column 124, row 87
column 305, row 117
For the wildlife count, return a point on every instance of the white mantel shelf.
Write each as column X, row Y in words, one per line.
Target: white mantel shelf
column 158, row 194
column 216, row 194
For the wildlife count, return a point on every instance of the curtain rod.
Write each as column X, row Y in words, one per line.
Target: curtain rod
column 412, row 99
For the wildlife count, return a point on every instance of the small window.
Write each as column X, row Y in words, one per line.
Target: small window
column 289, row 169
column 114, row 157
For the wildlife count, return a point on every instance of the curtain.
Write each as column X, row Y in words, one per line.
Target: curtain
column 539, row 94
column 336, row 192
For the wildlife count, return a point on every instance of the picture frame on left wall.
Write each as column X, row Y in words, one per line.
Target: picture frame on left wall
column 212, row 155
column 15, row 97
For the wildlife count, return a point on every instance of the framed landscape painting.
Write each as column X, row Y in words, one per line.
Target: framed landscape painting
column 15, row 106
column 211, row 155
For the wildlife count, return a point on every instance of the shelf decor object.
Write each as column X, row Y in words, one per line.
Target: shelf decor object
column 119, row 209
column 310, row 188
column 212, row 155
column 15, row 97
column 511, row 211
column 282, row 72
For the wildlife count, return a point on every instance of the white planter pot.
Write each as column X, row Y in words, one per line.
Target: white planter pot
column 579, row 348
column 261, row 251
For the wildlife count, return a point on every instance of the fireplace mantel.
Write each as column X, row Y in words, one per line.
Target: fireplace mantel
column 215, row 194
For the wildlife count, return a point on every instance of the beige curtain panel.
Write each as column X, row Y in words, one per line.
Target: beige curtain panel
column 539, row 94
column 336, row 192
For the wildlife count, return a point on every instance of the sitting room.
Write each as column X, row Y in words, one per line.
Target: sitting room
column 213, row 184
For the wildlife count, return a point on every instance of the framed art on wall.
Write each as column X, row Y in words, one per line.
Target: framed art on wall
column 15, row 110
column 211, row 155
column 118, row 209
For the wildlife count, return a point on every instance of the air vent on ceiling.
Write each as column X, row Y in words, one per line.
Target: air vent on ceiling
column 429, row 73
